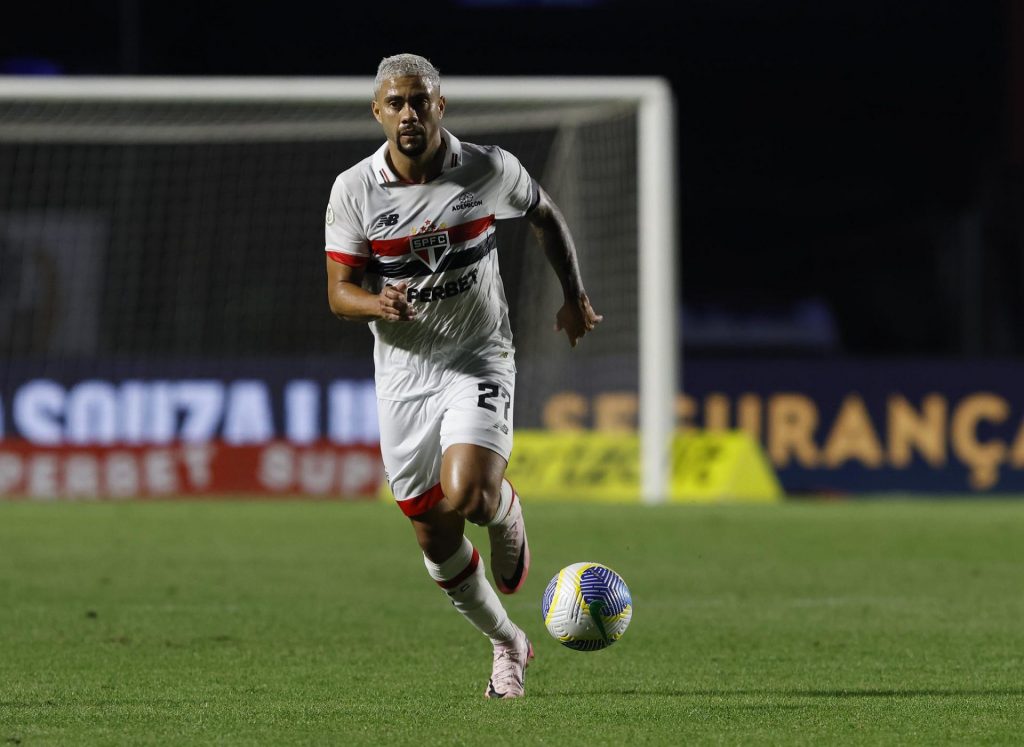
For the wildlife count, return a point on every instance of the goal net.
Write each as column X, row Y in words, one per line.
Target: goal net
column 174, row 227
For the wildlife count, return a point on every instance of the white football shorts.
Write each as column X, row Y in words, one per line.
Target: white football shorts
column 468, row 409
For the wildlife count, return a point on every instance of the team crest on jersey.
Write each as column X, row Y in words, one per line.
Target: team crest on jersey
column 330, row 214
column 430, row 247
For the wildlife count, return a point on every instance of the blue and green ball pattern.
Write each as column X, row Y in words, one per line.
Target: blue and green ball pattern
column 587, row 606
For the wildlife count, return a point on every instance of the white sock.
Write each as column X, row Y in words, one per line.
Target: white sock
column 463, row 580
column 506, row 497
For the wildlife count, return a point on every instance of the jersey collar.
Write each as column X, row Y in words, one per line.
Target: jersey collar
column 385, row 175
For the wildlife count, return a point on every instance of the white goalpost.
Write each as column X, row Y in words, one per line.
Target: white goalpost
column 604, row 147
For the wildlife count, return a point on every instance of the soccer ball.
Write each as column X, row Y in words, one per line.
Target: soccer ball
column 587, row 606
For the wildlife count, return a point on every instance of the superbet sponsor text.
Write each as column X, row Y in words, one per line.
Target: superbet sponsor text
column 161, row 438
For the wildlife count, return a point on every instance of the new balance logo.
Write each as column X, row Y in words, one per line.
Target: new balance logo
column 391, row 219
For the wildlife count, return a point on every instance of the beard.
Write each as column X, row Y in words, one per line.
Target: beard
column 414, row 148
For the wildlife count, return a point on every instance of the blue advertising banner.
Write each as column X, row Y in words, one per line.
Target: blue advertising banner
column 103, row 402
column 854, row 426
column 827, row 426
column 847, row 426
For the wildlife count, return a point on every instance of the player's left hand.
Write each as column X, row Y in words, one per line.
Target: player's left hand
column 577, row 317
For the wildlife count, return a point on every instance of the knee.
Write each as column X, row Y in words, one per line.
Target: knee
column 474, row 499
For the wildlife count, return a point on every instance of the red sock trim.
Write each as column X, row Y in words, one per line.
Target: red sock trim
column 421, row 503
column 466, row 572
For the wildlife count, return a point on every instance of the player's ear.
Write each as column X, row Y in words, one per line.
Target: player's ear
column 441, row 103
column 375, row 108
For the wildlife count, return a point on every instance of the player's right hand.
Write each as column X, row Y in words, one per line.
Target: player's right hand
column 577, row 317
column 393, row 304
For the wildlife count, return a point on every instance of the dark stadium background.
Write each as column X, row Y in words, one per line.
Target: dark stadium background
column 852, row 267
column 849, row 170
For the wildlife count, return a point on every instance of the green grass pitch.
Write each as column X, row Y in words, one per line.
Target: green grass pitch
column 871, row 622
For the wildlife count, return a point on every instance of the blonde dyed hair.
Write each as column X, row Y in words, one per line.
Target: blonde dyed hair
column 405, row 65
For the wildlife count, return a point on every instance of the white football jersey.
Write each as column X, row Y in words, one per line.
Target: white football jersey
column 439, row 237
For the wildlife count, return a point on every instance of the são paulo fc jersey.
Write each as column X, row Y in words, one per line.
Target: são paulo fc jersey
column 438, row 237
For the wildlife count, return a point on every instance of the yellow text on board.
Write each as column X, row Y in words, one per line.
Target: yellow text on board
column 592, row 466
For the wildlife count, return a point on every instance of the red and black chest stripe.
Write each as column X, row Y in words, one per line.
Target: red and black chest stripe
column 431, row 252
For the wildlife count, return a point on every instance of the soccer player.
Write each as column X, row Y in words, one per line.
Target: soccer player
column 410, row 242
